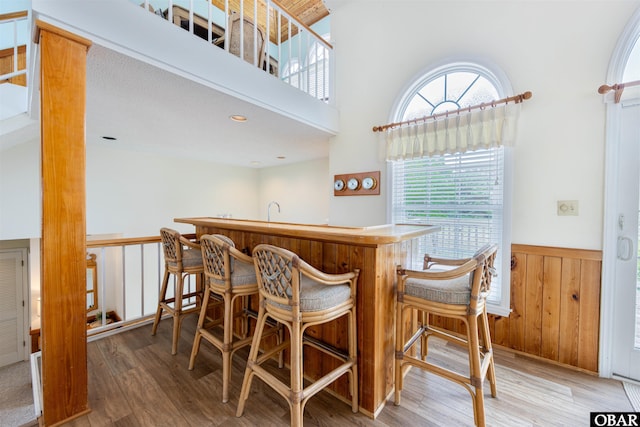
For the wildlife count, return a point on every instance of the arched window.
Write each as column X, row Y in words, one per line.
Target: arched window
column 291, row 73
column 318, row 70
column 632, row 69
column 466, row 193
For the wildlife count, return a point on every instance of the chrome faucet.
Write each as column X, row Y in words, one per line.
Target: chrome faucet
column 269, row 209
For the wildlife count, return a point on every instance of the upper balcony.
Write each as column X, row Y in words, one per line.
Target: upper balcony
column 264, row 33
column 185, row 56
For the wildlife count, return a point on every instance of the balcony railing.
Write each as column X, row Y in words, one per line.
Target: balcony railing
column 14, row 30
column 130, row 272
column 279, row 44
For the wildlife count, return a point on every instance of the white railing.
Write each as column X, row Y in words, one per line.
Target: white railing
column 130, row 272
column 14, row 30
column 292, row 52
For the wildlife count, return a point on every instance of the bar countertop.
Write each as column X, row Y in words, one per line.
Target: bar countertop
column 371, row 235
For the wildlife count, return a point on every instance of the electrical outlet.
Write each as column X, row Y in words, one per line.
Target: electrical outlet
column 567, row 208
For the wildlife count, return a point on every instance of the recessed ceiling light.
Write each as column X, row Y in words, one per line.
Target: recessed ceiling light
column 255, row 163
column 281, row 157
column 238, row 118
column 109, row 138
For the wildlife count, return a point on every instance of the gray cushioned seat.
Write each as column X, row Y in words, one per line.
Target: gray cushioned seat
column 243, row 274
column 316, row 296
column 452, row 291
column 190, row 258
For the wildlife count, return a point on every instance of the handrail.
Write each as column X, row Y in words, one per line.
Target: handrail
column 122, row 241
column 301, row 24
column 13, row 15
column 126, row 241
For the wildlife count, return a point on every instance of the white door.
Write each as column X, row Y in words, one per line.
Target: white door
column 626, row 328
column 12, row 307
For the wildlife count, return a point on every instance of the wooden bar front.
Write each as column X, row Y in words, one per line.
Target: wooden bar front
column 376, row 251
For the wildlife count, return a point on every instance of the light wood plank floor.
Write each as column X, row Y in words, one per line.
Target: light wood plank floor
column 134, row 381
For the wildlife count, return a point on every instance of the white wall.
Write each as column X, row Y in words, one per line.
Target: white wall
column 559, row 50
column 128, row 192
column 20, row 208
column 136, row 193
column 301, row 190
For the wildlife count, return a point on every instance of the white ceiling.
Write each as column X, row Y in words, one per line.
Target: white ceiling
column 137, row 96
column 150, row 109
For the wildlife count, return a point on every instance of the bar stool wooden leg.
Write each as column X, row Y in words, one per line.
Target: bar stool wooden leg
column 177, row 314
column 161, row 298
column 297, row 366
column 475, row 368
column 353, row 354
column 488, row 352
column 198, row 337
column 423, row 318
column 400, row 332
column 226, row 346
column 251, row 361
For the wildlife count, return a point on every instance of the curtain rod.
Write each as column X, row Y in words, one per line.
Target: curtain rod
column 618, row 88
column 517, row 98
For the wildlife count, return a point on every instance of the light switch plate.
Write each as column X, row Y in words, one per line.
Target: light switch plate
column 567, row 208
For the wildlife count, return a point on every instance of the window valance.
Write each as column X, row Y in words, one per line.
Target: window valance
column 469, row 129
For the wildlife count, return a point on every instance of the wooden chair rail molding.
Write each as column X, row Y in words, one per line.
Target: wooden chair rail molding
column 555, row 302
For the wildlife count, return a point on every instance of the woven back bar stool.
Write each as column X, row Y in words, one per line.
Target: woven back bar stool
column 181, row 258
column 454, row 289
column 229, row 275
column 299, row 296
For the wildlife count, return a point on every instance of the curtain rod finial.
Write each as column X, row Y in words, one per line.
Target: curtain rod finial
column 604, row 89
column 527, row 95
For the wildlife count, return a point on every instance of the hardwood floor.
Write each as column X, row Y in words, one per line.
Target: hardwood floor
column 134, row 381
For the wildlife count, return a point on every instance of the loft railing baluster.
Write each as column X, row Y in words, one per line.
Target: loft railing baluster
column 279, row 38
column 191, row 16
column 255, row 33
column 160, row 265
column 209, row 21
column 267, row 38
column 124, row 284
column 227, row 20
column 141, row 280
column 242, row 29
column 103, row 274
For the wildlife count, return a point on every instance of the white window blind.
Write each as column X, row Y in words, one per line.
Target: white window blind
column 463, row 193
column 317, row 71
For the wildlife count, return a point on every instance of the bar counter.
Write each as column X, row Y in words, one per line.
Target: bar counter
column 376, row 251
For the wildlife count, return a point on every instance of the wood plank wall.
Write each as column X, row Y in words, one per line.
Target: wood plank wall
column 555, row 302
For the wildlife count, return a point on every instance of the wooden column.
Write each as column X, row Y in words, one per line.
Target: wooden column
column 63, row 249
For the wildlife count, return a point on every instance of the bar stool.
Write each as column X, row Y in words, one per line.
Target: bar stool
column 458, row 290
column 229, row 274
column 182, row 258
column 299, row 296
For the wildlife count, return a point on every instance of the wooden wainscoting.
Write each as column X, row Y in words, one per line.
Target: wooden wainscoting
column 555, row 303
